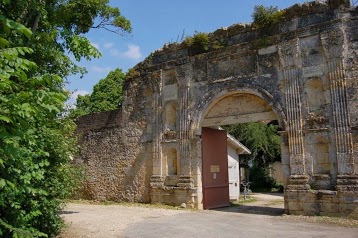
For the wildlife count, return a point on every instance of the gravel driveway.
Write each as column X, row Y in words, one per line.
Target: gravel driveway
column 104, row 221
column 107, row 221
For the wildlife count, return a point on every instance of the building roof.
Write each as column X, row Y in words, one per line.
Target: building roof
column 241, row 149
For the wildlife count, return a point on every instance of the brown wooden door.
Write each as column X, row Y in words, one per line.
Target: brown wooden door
column 215, row 168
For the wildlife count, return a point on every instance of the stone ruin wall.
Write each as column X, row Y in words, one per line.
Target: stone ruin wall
column 118, row 167
column 305, row 68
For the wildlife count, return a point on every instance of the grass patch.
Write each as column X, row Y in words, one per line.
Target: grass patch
column 249, row 199
column 128, row 204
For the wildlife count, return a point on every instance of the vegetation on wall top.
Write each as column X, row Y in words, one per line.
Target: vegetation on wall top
column 266, row 16
column 200, row 41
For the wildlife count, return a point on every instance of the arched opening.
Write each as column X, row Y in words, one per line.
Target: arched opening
column 230, row 108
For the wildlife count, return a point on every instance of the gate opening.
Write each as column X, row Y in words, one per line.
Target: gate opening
column 217, row 170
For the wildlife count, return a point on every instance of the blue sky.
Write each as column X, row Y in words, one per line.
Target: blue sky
column 155, row 23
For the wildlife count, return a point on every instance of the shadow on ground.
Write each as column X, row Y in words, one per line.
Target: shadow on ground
column 251, row 209
column 271, row 204
column 64, row 212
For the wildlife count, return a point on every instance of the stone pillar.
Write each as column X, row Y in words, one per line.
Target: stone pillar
column 292, row 74
column 185, row 179
column 333, row 42
column 157, row 179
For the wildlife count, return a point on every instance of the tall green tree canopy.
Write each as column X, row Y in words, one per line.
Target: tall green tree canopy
column 36, row 142
column 262, row 140
column 265, row 146
column 58, row 28
column 106, row 95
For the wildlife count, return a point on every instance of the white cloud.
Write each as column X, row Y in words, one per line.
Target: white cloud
column 115, row 52
column 133, row 52
column 76, row 93
column 98, row 69
column 108, row 45
column 95, row 45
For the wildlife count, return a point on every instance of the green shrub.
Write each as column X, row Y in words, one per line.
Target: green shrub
column 36, row 143
column 199, row 42
column 260, row 178
column 266, row 16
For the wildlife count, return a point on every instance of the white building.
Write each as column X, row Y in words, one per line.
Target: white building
column 234, row 149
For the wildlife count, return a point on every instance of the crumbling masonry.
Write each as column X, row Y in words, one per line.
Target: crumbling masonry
column 302, row 72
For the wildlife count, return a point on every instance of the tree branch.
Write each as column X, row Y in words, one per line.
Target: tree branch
column 36, row 23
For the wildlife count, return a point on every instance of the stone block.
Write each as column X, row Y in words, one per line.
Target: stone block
column 294, row 206
column 268, row 50
column 326, row 197
column 313, row 71
column 329, row 207
column 291, row 195
column 311, row 208
column 307, row 196
column 348, row 208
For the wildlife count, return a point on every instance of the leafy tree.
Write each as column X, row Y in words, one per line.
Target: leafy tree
column 35, row 145
column 106, row 95
column 59, row 27
column 261, row 139
column 265, row 146
column 36, row 142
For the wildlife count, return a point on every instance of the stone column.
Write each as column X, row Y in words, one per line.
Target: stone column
column 333, row 42
column 185, row 179
column 157, row 179
column 292, row 75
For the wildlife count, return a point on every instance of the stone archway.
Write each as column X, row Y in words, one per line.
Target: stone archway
column 304, row 69
column 234, row 107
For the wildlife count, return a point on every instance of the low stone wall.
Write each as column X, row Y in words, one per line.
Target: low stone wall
column 322, row 202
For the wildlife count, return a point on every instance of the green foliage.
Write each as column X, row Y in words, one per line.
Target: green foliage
column 265, row 146
column 260, row 177
column 218, row 45
column 261, row 139
column 36, row 142
column 106, row 95
column 58, row 27
column 266, row 16
column 199, row 42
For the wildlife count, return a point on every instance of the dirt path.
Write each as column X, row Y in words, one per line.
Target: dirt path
column 102, row 221
column 259, row 219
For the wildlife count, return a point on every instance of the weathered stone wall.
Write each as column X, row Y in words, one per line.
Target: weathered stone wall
column 118, row 164
column 301, row 72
